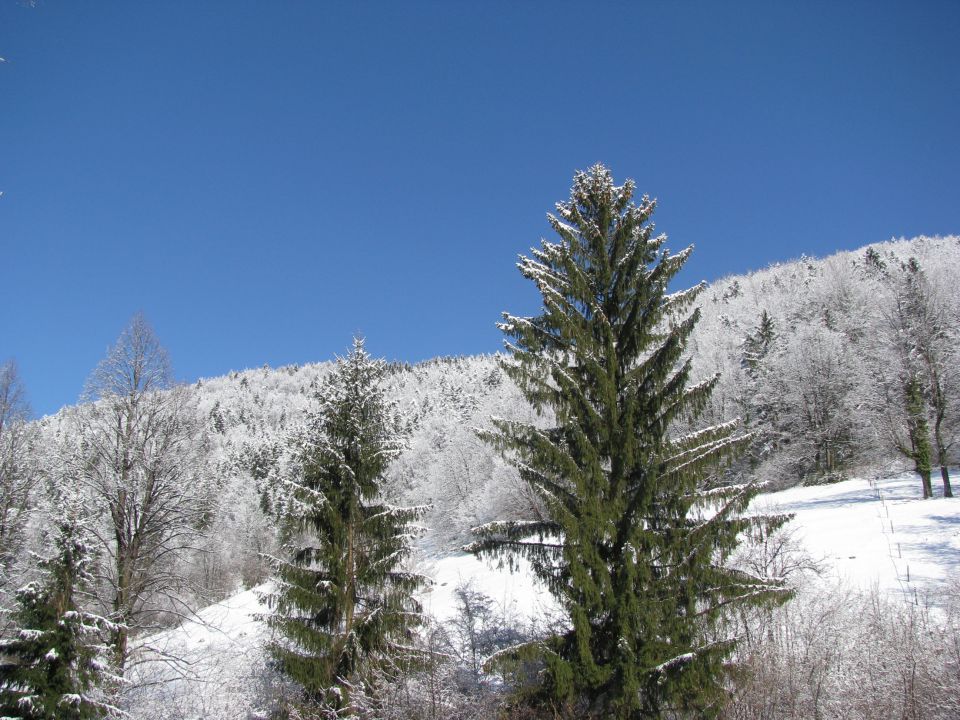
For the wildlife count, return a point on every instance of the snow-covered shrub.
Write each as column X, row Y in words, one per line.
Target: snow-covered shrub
column 840, row 654
column 458, row 682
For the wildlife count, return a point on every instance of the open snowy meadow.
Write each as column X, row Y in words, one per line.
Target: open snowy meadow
column 877, row 533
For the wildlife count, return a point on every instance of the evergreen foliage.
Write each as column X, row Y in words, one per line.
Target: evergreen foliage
column 757, row 344
column 630, row 540
column 50, row 669
column 344, row 603
column 756, row 403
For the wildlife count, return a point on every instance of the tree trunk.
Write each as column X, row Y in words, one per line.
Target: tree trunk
column 942, row 457
column 925, row 480
column 945, row 476
column 121, row 634
column 919, row 431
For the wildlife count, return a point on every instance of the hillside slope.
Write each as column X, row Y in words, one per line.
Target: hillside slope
column 812, row 391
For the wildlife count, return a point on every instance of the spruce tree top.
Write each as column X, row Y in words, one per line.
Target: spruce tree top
column 604, row 286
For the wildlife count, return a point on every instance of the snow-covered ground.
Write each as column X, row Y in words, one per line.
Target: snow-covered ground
column 876, row 533
column 865, row 533
column 211, row 667
column 214, row 666
column 517, row 595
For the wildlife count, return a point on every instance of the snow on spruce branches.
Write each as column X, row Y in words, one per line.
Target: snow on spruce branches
column 52, row 667
column 344, row 601
column 625, row 540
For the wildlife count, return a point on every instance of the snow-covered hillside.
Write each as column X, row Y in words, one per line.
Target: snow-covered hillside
column 863, row 533
column 810, row 354
column 813, row 395
column 210, row 666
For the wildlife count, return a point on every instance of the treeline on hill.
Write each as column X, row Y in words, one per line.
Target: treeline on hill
column 842, row 365
column 151, row 499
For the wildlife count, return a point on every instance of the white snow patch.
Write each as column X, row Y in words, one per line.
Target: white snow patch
column 518, row 594
column 876, row 533
column 209, row 667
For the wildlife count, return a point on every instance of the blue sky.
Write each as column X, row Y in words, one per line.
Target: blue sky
column 264, row 179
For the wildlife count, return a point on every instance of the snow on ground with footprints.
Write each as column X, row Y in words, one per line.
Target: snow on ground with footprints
column 877, row 533
column 868, row 534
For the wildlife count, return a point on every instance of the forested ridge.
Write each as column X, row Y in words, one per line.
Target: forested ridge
column 840, row 366
column 814, row 391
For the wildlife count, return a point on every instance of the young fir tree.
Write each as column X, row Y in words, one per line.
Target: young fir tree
column 757, row 399
column 51, row 669
column 344, row 603
column 757, row 344
column 630, row 541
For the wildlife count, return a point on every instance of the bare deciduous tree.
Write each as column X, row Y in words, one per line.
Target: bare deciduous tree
column 936, row 348
column 16, row 478
column 801, row 399
column 137, row 430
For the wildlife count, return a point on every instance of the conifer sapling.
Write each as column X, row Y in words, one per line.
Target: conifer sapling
column 51, row 668
column 343, row 604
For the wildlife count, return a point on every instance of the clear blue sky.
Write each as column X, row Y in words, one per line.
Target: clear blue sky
column 264, row 179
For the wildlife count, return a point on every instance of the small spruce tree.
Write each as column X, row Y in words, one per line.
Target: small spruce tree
column 757, row 344
column 344, row 603
column 631, row 541
column 51, row 669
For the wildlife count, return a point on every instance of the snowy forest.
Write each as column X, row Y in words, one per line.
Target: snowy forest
column 123, row 516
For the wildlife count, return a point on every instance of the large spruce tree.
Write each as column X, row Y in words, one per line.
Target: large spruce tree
column 634, row 527
column 344, row 603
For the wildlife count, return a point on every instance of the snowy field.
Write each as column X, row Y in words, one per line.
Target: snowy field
column 864, row 533
column 876, row 533
column 209, row 668
column 517, row 595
